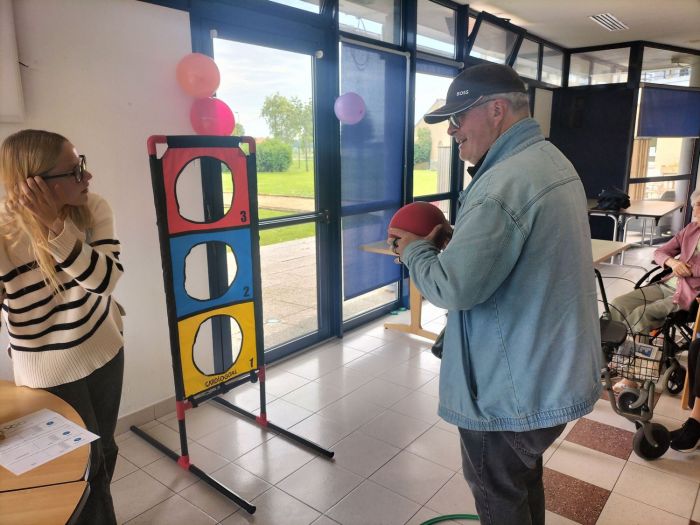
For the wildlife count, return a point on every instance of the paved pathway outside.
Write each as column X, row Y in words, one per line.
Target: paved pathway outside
column 282, row 203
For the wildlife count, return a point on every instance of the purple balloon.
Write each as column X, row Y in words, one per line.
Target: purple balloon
column 349, row 108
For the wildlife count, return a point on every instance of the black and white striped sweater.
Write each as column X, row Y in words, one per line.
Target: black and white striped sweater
column 60, row 338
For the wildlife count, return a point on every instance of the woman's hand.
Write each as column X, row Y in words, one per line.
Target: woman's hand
column 43, row 202
column 680, row 269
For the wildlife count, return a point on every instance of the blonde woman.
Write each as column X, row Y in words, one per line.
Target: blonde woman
column 59, row 263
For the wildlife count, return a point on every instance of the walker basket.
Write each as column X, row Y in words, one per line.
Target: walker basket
column 637, row 367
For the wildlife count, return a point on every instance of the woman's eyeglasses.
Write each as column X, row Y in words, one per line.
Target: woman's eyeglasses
column 78, row 171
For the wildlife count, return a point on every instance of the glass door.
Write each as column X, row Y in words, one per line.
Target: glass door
column 271, row 93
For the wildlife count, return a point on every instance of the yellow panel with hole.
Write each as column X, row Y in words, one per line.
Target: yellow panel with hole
column 196, row 381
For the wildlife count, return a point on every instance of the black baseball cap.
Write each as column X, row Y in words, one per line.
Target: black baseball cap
column 472, row 84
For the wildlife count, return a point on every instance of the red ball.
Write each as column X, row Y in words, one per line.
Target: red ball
column 418, row 217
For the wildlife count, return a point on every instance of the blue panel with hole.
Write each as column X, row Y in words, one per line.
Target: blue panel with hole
column 240, row 290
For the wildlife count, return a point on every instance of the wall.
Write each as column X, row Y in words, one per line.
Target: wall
column 102, row 73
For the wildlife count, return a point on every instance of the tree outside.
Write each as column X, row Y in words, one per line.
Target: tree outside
column 421, row 148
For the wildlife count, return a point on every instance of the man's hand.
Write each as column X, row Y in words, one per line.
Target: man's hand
column 398, row 239
column 680, row 269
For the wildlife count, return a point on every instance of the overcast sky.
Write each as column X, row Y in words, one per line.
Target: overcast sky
column 250, row 73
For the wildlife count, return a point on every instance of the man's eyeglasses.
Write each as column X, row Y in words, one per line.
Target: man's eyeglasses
column 456, row 118
column 78, row 172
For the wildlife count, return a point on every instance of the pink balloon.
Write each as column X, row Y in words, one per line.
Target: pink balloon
column 349, row 108
column 211, row 116
column 198, row 75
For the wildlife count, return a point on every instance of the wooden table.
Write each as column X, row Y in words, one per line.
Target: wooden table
column 415, row 299
column 49, row 505
column 62, row 480
column 602, row 250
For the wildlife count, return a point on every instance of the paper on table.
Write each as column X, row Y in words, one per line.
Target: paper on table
column 37, row 438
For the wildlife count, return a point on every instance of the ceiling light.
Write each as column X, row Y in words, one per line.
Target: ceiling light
column 609, row 22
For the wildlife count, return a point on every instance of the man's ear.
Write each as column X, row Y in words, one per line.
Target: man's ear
column 499, row 108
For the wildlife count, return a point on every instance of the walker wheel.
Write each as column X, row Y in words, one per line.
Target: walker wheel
column 644, row 449
column 625, row 401
column 676, row 381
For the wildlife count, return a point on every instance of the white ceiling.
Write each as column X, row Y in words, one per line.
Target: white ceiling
column 566, row 22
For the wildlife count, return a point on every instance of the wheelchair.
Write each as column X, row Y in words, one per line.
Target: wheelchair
column 651, row 440
column 673, row 336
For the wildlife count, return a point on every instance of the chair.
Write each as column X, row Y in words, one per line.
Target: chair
column 665, row 223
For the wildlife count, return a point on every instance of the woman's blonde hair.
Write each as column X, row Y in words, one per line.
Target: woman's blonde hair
column 24, row 154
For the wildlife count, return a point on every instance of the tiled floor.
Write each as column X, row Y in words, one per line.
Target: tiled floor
column 372, row 398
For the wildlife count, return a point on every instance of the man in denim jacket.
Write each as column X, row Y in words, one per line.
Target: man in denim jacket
column 522, row 352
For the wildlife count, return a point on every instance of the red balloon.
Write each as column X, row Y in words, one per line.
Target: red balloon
column 211, row 116
column 198, row 75
column 418, row 217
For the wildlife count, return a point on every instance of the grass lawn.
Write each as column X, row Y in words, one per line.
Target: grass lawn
column 288, row 233
column 297, row 182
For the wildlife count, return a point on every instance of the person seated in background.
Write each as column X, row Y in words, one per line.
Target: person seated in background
column 644, row 309
column 687, row 438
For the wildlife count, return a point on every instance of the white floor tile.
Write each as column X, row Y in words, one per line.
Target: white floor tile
column 372, row 503
column 235, row 439
column 620, row 509
column 664, row 491
column 279, row 382
column 408, row 376
column 394, row 428
column 209, row 500
column 413, row 477
column 173, row 510
column 604, row 413
column 320, row 430
column 371, row 364
column 170, row 474
column 363, row 454
column 432, row 387
column 274, row 507
column 379, row 392
column 320, row 484
column 325, row 520
column 139, row 452
column 202, row 420
column 247, row 396
column 670, row 406
column 136, row 493
column 675, row 463
column 454, row 497
column 275, row 459
column 123, row 468
column 360, row 341
column 425, row 514
column 313, row 396
column 427, row 361
column 285, row 414
column 418, row 405
column 551, row 518
column 240, row 481
column 344, row 379
column 439, row 446
column 351, row 412
column 205, row 459
column 586, row 464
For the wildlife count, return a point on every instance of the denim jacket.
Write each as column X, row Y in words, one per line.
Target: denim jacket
column 522, row 342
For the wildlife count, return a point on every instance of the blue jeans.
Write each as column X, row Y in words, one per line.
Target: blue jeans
column 96, row 398
column 504, row 472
